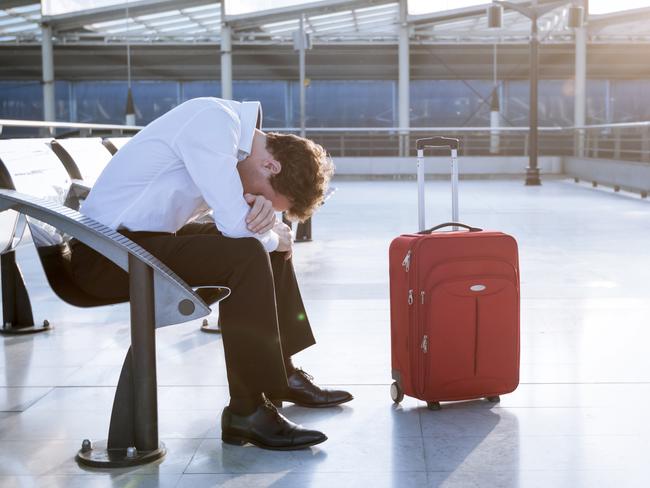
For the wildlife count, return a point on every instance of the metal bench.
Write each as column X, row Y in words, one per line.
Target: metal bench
column 114, row 144
column 35, row 184
column 85, row 159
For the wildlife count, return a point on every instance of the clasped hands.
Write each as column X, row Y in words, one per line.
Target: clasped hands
column 261, row 218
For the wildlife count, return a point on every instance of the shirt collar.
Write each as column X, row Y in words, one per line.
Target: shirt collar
column 250, row 115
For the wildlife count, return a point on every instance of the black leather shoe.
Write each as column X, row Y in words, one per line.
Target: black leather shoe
column 268, row 429
column 302, row 391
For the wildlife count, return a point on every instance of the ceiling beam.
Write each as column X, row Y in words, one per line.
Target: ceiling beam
column 625, row 16
column 7, row 4
column 103, row 14
column 461, row 13
column 254, row 19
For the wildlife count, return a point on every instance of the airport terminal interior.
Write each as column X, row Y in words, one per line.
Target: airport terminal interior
column 548, row 102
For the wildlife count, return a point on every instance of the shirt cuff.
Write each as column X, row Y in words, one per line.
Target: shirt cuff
column 270, row 240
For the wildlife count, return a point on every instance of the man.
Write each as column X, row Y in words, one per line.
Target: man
column 209, row 154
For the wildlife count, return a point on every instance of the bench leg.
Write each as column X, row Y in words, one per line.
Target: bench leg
column 133, row 433
column 17, row 315
column 206, row 327
column 303, row 232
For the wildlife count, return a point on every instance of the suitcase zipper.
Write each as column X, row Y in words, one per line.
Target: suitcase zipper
column 407, row 261
column 425, row 344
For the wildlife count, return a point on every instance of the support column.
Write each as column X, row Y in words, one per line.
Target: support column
column 532, row 171
column 495, row 114
column 226, row 56
column 47, row 57
column 580, row 112
column 403, row 79
column 301, row 62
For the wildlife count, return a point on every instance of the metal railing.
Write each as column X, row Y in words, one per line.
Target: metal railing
column 626, row 141
column 51, row 128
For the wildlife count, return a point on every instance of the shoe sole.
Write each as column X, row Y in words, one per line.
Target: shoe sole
column 278, row 403
column 241, row 441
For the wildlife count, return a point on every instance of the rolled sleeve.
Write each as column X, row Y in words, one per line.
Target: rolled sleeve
column 207, row 144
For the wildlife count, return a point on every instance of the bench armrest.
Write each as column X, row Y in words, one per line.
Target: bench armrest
column 175, row 302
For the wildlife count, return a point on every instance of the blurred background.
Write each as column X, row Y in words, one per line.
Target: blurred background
column 458, row 66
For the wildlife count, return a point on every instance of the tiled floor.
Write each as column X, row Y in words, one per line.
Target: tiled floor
column 579, row 418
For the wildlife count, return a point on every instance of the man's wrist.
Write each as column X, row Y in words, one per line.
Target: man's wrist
column 271, row 241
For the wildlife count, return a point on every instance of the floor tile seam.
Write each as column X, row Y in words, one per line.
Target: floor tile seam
column 75, row 439
column 554, row 407
column 313, row 472
column 584, row 382
column 533, row 470
column 505, row 435
column 641, row 436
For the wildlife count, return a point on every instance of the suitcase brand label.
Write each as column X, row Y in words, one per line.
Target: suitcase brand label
column 477, row 287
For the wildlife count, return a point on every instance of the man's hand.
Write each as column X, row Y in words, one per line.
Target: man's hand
column 286, row 239
column 261, row 217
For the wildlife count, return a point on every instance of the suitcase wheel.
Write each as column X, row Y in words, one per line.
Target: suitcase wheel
column 433, row 405
column 396, row 392
column 493, row 399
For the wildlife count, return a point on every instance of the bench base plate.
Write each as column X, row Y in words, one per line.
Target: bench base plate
column 205, row 327
column 98, row 456
column 30, row 329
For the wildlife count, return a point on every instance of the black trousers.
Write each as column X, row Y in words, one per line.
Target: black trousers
column 263, row 321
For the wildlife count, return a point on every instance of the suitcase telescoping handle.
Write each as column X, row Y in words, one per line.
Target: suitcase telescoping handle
column 452, row 144
column 450, row 224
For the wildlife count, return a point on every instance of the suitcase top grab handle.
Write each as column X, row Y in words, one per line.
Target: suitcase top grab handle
column 450, row 224
column 449, row 142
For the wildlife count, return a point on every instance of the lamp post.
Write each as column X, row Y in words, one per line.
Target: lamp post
column 533, row 12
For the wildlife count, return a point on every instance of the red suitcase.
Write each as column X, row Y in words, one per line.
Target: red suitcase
column 454, row 300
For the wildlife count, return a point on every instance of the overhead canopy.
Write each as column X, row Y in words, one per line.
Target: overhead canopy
column 329, row 21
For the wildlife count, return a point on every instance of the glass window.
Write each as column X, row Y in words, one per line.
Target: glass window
column 597, row 104
column 104, row 102
column 100, row 102
column 555, row 102
column 21, row 100
column 196, row 89
column 272, row 94
column 450, row 103
column 354, row 103
column 627, row 99
column 154, row 98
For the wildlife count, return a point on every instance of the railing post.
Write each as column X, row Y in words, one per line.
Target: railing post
column 617, row 143
column 526, row 143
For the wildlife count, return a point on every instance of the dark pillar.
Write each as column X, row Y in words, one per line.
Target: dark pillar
column 532, row 171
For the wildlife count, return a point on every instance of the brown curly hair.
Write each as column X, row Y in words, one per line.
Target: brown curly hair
column 305, row 175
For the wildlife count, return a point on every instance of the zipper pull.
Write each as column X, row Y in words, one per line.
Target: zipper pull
column 407, row 261
column 410, row 300
column 425, row 344
column 422, row 297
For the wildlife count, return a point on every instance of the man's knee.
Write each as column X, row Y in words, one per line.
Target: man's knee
column 251, row 247
column 253, row 252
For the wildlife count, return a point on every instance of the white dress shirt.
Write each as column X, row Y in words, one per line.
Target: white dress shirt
column 179, row 166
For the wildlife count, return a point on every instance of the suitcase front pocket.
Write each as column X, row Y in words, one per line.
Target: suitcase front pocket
column 471, row 331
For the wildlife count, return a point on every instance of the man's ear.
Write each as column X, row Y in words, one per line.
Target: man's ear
column 273, row 166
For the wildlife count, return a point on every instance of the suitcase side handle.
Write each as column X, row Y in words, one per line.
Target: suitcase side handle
column 449, row 142
column 450, row 224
